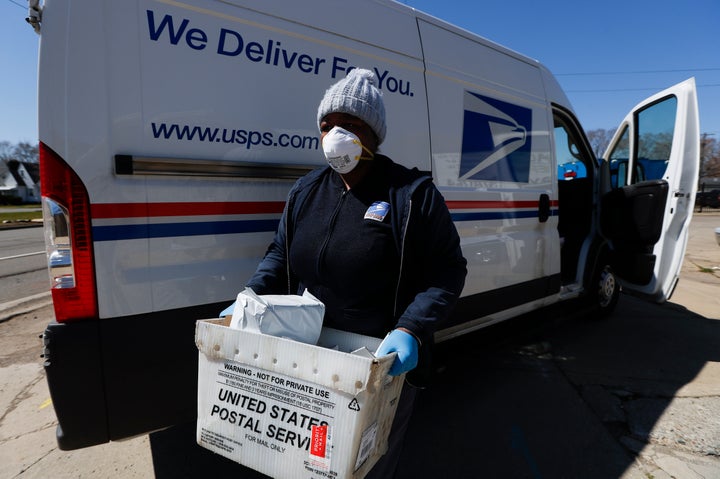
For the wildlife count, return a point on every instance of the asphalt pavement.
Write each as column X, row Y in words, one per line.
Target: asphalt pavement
column 560, row 396
column 634, row 396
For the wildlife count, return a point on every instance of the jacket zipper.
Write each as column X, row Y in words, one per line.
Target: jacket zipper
column 333, row 220
column 287, row 245
column 402, row 258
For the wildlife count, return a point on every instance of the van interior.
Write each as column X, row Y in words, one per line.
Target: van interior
column 575, row 193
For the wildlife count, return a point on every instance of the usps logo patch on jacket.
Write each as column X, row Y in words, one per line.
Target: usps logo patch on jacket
column 377, row 211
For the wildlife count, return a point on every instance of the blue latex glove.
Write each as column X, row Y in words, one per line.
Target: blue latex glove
column 406, row 347
column 227, row 311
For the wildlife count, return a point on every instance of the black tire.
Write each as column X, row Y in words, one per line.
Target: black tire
column 604, row 292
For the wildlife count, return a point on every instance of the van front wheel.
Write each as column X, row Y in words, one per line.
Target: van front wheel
column 605, row 292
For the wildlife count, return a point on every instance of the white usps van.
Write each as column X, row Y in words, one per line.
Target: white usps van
column 171, row 130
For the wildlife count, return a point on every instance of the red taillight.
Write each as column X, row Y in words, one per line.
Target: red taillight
column 68, row 239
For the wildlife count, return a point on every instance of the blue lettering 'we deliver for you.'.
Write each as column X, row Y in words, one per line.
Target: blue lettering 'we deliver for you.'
column 231, row 43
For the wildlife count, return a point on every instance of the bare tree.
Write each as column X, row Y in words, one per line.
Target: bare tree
column 7, row 150
column 23, row 151
column 655, row 146
column 26, row 152
column 599, row 140
column 709, row 157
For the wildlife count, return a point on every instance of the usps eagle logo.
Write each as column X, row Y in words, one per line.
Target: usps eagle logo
column 496, row 141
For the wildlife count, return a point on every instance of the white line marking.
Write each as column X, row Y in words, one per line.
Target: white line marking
column 23, row 255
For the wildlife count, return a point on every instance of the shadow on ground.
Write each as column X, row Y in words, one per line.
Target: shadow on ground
column 556, row 395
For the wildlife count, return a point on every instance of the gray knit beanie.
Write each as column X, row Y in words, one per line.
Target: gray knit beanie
column 356, row 94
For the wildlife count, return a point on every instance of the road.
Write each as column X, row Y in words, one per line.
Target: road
column 23, row 264
column 544, row 396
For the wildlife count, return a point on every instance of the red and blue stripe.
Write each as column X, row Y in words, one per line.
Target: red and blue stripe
column 267, row 217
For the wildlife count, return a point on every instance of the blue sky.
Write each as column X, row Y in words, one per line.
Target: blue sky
column 607, row 55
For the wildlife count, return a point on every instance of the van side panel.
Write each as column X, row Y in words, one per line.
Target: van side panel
column 493, row 162
column 209, row 82
column 151, row 104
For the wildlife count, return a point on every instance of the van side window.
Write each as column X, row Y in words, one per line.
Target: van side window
column 656, row 125
column 655, row 130
column 570, row 161
column 618, row 159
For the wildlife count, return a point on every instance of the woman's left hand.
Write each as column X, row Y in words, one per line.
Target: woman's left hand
column 406, row 347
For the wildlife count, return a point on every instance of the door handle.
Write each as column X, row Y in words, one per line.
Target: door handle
column 544, row 208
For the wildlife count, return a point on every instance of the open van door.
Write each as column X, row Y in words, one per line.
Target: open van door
column 649, row 179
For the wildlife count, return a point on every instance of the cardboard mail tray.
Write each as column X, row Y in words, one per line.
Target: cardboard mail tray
column 293, row 410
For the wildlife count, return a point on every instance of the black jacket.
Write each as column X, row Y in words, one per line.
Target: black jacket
column 432, row 267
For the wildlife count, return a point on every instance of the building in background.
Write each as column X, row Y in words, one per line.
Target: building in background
column 19, row 182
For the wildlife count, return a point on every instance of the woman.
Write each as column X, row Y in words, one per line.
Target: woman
column 369, row 238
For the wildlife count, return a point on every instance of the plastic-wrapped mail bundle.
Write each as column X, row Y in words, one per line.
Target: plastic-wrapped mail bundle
column 287, row 316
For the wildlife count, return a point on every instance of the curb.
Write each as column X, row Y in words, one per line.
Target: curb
column 10, row 309
column 16, row 225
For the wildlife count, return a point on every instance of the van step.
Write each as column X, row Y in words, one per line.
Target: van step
column 570, row 291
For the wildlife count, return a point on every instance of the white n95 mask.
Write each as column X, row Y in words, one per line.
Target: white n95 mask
column 343, row 150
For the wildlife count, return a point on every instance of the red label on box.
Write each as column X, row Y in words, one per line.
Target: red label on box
column 318, row 440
